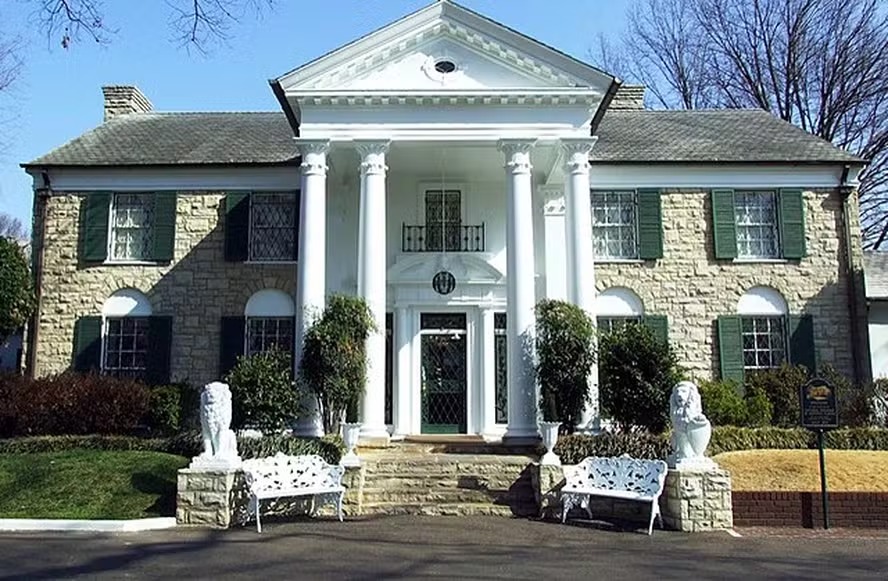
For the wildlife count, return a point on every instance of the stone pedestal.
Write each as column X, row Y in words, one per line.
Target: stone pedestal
column 697, row 500
column 547, row 483
column 210, row 498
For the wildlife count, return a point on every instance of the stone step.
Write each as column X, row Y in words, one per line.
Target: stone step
column 444, row 496
column 446, row 509
column 434, row 482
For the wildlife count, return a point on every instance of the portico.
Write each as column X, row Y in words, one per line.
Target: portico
column 428, row 148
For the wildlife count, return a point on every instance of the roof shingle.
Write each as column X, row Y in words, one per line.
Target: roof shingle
column 706, row 136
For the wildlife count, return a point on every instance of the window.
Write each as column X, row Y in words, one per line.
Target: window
column 131, row 233
column 764, row 342
column 608, row 324
column 267, row 333
column 757, row 224
column 126, row 316
column 443, row 220
column 614, row 225
column 269, row 322
column 616, row 306
column 273, row 220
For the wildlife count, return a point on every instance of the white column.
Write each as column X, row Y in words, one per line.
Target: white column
column 404, row 377
column 311, row 268
column 556, row 262
column 371, row 280
column 521, row 291
column 488, row 372
column 580, row 251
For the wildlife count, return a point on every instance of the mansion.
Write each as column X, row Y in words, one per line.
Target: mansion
column 453, row 172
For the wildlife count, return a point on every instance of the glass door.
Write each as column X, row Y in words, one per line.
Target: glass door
column 443, row 373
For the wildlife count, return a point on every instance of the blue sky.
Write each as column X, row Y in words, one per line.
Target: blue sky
column 59, row 95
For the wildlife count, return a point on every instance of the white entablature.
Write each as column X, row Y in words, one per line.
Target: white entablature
column 443, row 72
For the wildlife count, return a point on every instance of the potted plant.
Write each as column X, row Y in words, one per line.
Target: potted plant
column 333, row 365
column 565, row 349
column 351, row 429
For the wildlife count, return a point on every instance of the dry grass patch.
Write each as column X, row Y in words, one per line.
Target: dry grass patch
column 799, row 470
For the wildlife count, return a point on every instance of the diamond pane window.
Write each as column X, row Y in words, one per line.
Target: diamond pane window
column 266, row 333
column 763, row 342
column 757, row 225
column 614, row 224
column 273, row 227
column 443, row 214
column 501, row 370
column 131, row 232
column 126, row 347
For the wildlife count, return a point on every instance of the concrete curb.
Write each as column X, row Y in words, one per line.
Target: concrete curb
column 95, row 526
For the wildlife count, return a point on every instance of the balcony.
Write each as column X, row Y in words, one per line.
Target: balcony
column 446, row 238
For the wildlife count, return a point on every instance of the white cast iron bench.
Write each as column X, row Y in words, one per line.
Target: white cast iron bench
column 282, row 476
column 622, row 477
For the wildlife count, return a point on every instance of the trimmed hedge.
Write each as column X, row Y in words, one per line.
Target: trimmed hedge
column 187, row 444
column 574, row 448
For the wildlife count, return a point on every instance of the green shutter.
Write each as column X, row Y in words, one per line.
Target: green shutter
column 659, row 325
column 730, row 348
column 237, row 226
column 792, row 224
column 231, row 343
column 94, row 212
column 160, row 337
column 650, row 225
column 164, row 226
column 801, row 342
column 87, row 344
column 724, row 230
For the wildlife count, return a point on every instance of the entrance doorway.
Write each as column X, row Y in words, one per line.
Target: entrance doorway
column 443, row 373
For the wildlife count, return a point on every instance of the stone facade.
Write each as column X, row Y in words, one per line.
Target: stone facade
column 697, row 501
column 692, row 288
column 688, row 285
column 211, row 498
column 197, row 288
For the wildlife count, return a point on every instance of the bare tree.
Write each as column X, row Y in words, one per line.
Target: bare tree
column 12, row 228
column 195, row 23
column 819, row 64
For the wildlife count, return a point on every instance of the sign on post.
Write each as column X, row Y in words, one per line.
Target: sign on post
column 820, row 412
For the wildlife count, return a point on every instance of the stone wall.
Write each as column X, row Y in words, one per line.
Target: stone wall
column 197, row 288
column 692, row 288
column 697, row 501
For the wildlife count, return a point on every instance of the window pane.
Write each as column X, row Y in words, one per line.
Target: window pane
column 614, row 227
column 273, row 227
column 755, row 214
column 131, row 232
column 267, row 333
column 764, row 342
column 126, row 346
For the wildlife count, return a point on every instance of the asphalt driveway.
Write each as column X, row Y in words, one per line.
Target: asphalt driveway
column 410, row 547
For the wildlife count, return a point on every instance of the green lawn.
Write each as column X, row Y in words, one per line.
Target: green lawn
column 88, row 484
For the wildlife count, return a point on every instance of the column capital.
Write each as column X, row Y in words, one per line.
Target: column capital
column 517, row 152
column 314, row 155
column 372, row 152
column 576, row 153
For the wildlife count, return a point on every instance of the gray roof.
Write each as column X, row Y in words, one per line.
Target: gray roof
column 725, row 135
column 180, row 139
column 731, row 135
column 875, row 274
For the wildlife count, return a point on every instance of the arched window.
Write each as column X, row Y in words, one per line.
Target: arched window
column 617, row 306
column 125, row 320
column 763, row 328
column 269, row 322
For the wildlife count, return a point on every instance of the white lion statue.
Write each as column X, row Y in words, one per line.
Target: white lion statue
column 219, row 441
column 690, row 428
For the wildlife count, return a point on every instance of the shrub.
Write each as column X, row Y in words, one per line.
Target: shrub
column 573, row 448
column 72, row 403
column 759, row 410
column 565, row 356
column 262, row 393
column 330, row 449
column 723, row 404
column 853, row 401
column 16, row 289
column 730, row 439
column 164, row 409
column 781, row 386
column 878, row 393
column 334, row 358
column 636, row 374
column 38, row 444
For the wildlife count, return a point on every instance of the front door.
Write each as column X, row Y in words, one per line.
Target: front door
column 443, row 351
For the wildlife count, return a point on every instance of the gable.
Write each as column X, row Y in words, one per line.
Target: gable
column 402, row 55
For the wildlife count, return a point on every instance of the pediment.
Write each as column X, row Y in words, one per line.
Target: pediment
column 466, row 268
column 402, row 57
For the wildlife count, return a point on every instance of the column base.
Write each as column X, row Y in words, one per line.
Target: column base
column 374, row 435
column 521, row 436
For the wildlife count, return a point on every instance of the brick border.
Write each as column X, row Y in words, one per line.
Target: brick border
column 794, row 509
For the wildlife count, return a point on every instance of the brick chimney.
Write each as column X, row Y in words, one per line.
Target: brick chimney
column 628, row 98
column 123, row 100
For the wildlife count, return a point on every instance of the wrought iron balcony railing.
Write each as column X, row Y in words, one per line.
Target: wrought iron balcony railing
column 446, row 238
